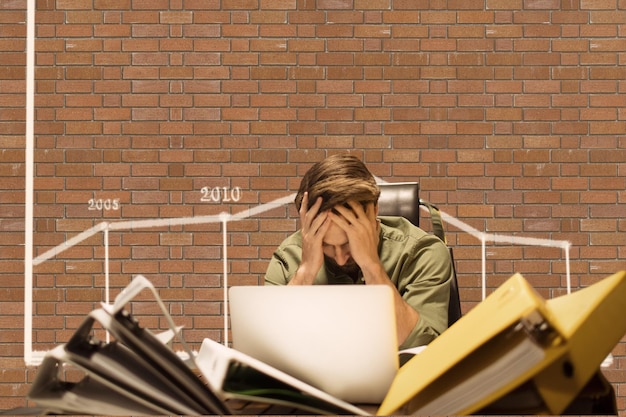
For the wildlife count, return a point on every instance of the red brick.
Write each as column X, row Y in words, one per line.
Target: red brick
column 509, row 113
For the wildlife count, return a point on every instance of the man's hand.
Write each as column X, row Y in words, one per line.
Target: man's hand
column 314, row 226
column 361, row 227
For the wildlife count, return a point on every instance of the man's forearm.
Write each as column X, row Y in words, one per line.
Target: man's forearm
column 302, row 277
column 406, row 316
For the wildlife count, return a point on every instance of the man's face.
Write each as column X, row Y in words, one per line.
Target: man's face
column 337, row 247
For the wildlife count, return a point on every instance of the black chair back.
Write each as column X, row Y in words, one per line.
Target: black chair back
column 400, row 199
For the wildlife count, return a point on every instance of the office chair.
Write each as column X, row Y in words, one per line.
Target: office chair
column 402, row 199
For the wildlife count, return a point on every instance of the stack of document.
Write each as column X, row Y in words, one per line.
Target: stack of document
column 514, row 339
column 515, row 353
column 135, row 374
column 139, row 374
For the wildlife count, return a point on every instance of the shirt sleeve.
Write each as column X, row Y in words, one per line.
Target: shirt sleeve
column 424, row 283
column 285, row 261
column 277, row 271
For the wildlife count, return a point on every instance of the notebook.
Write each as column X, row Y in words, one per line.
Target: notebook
column 339, row 339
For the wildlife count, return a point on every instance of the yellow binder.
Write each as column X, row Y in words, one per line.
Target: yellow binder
column 514, row 337
column 592, row 320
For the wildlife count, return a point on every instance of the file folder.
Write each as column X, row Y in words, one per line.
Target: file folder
column 514, row 337
column 592, row 321
column 137, row 373
column 134, row 374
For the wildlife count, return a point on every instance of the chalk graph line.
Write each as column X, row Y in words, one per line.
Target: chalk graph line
column 225, row 218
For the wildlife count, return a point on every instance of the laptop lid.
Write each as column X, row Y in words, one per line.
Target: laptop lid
column 338, row 338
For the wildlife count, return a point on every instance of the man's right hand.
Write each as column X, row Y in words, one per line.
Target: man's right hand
column 314, row 226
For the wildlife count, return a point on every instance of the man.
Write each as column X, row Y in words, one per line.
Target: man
column 342, row 241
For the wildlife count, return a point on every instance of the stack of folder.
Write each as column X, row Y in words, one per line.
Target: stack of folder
column 515, row 353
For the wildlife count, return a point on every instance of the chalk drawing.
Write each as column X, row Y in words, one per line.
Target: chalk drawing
column 225, row 218
column 34, row 358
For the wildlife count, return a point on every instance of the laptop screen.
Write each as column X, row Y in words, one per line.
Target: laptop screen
column 340, row 339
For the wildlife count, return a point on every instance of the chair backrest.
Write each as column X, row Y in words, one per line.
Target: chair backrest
column 454, row 306
column 402, row 199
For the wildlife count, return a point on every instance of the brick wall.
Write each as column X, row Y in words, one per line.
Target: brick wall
column 509, row 113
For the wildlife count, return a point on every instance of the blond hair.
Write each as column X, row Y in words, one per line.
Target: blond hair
column 338, row 179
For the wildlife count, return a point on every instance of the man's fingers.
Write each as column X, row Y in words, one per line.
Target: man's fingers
column 318, row 223
column 305, row 202
column 308, row 215
column 353, row 214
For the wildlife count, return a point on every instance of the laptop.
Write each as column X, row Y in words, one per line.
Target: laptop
column 340, row 339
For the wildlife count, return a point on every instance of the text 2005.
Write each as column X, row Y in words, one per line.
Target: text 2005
column 99, row 204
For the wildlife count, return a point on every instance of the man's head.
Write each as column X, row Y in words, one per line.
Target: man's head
column 341, row 181
column 338, row 179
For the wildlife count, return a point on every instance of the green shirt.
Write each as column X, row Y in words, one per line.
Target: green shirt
column 417, row 262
